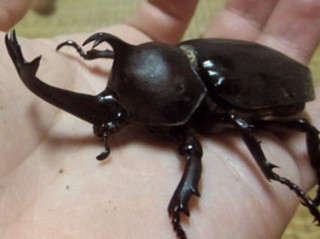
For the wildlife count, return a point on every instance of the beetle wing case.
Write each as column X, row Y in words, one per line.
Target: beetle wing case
column 248, row 75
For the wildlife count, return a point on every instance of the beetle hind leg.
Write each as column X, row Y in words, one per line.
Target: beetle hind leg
column 312, row 141
column 188, row 185
column 267, row 168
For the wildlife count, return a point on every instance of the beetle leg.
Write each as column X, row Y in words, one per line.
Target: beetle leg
column 312, row 140
column 89, row 55
column 191, row 148
column 103, row 131
column 97, row 38
column 254, row 146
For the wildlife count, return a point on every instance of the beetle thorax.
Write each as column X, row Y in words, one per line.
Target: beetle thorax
column 156, row 84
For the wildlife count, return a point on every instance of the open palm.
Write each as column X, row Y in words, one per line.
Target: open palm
column 52, row 187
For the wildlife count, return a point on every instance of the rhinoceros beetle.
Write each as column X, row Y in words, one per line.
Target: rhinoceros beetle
column 182, row 90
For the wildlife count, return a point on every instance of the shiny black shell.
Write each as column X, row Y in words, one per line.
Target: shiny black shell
column 155, row 83
column 250, row 77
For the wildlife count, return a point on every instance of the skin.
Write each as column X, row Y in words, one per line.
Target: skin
column 51, row 186
column 12, row 11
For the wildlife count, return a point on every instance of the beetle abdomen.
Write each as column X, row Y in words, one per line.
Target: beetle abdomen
column 249, row 76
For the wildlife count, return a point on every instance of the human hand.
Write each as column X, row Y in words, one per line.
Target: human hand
column 50, row 185
column 12, row 11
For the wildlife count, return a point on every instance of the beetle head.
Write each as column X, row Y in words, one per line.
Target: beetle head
column 154, row 82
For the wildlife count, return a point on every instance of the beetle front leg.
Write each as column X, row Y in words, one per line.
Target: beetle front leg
column 103, row 133
column 104, row 130
column 97, row 38
column 190, row 148
column 255, row 148
column 89, row 55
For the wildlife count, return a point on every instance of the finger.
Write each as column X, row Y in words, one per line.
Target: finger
column 294, row 28
column 164, row 20
column 241, row 19
column 11, row 12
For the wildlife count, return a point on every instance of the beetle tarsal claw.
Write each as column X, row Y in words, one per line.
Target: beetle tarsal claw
column 103, row 155
column 97, row 37
column 175, row 220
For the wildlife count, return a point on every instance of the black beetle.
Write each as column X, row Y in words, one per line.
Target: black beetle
column 184, row 89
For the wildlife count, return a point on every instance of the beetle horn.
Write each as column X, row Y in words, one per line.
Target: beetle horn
column 94, row 109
